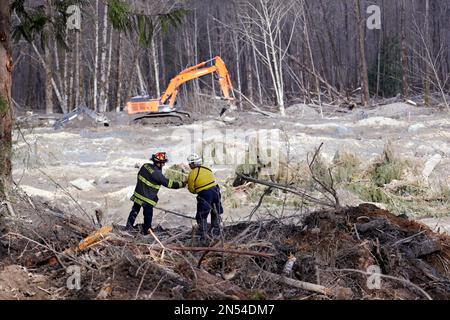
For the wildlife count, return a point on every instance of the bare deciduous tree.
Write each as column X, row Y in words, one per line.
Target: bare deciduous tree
column 263, row 24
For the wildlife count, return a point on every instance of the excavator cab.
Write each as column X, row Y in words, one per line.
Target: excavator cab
column 166, row 106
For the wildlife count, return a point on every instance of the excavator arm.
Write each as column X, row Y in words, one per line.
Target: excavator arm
column 165, row 105
column 167, row 101
column 198, row 71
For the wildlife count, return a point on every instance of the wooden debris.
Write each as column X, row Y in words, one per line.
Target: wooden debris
column 93, row 238
column 233, row 251
column 375, row 224
column 105, row 291
column 211, row 284
column 426, row 247
column 338, row 292
column 324, row 241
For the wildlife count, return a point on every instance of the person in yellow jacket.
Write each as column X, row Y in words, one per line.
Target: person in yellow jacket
column 202, row 182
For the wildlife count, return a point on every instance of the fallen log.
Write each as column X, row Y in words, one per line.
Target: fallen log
column 338, row 292
column 232, row 251
column 93, row 238
column 426, row 247
column 404, row 281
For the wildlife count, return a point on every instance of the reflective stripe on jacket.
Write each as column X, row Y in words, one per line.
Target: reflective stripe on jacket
column 149, row 180
column 201, row 178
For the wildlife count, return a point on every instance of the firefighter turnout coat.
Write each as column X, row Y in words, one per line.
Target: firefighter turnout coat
column 149, row 181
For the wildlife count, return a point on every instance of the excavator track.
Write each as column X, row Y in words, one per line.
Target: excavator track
column 164, row 118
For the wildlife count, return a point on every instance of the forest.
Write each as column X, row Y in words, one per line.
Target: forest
column 278, row 52
column 258, row 150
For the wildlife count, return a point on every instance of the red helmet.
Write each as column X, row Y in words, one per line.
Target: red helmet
column 160, row 157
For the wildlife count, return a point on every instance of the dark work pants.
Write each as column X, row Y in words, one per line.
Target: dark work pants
column 209, row 201
column 148, row 216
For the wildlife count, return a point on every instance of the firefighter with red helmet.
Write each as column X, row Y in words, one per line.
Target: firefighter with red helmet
column 149, row 180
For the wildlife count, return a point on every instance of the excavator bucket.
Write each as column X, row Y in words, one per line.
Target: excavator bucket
column 229, row 113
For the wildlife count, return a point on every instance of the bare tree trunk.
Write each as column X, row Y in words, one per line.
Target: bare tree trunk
column 71, row 105
column 380, row 47
column 65, row 89
column 58, row 67
column 77, row 69
column 180, row 57
column 96, row 31
column 48, row 65
column 48, row 81
column 103, row 65
column 108, row 72
column 119, row 73
column 196, row 81
column 238, row 63
column 213, row 82
column 5, row 98
column 82, row 93
column 142, row 86
column 405, row 83
column 362, row 55
column 428, row 47
column 163, row 62
column 156, row 66
column 310, row 54
column 258, row 79
column 248, row 72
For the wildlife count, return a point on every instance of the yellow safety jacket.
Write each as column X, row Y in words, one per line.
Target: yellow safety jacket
column 201, row 178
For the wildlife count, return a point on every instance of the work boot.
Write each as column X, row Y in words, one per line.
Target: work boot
column 203, row 241
column 215, row 233
column 146, row 232
column 130, row 222
column 202, row 229
column 130, row 228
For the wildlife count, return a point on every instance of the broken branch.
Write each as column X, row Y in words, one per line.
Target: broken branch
column 296, row 191
column 233, row 251
column 340, row 293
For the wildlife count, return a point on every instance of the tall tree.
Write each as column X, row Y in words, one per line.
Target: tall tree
column 5, row 98
column 48, row 65
column 103, row 65
column 363, row 70
column 96, row 31
column 405, row 83
column 427, row 50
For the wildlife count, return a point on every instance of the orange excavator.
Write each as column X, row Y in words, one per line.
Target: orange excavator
column 166, row 105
